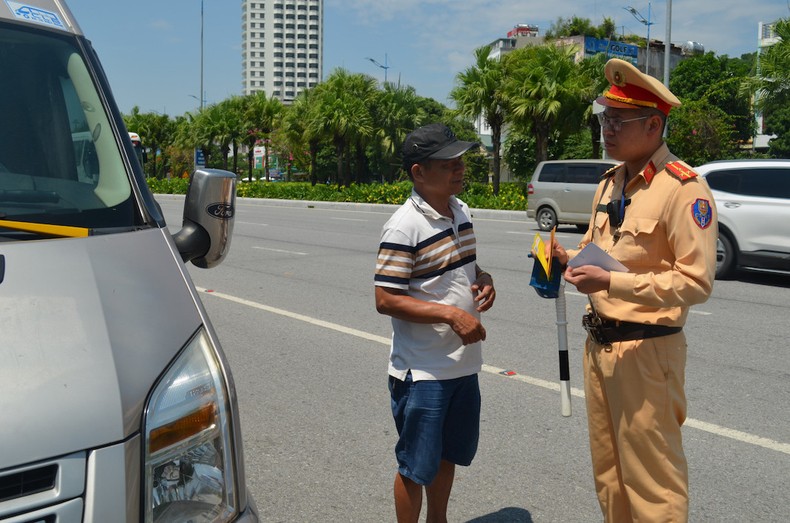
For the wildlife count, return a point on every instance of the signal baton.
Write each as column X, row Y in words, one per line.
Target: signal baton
column 562, row 336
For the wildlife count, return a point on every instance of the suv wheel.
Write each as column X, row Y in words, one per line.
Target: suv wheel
column 725, row 257
column 546, row 218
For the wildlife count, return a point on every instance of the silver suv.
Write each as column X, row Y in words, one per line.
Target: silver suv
column 753, row 202
column 562, row 191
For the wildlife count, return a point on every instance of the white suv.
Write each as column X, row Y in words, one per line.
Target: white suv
column 753, row 202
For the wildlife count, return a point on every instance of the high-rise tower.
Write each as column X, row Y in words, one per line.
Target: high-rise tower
column 282, row 46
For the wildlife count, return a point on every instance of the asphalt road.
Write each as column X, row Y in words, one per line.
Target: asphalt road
column 293, row 305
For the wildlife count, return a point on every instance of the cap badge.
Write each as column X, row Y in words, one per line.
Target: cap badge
column 618, row 79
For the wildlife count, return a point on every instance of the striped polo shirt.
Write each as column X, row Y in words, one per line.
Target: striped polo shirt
column 432, row 257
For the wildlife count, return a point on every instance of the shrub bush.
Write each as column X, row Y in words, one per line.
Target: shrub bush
column 512, row 196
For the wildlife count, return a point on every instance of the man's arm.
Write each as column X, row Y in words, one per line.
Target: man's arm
column 398, row 304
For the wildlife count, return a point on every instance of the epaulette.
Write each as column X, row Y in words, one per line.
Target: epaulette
column 681, row 170
column 610, row 172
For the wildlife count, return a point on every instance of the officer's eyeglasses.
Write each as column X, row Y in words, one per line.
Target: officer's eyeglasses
column 615, row 124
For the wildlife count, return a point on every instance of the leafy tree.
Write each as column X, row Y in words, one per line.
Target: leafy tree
column 716, row 80
column 777, row 122
column 575, row 25
column 519, row 153
column 479, row 93
column 700, row 132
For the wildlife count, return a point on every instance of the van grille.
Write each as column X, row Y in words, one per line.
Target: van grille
column 45, row 492
column 28, row 482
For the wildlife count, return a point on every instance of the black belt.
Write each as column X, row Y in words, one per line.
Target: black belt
column 605, row 332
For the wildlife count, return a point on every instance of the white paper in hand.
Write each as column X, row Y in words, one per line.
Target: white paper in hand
column 594, row 255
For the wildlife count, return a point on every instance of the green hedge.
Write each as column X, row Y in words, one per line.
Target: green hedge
column 512, row 196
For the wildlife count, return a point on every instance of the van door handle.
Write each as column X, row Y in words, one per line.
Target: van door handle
column 732, row 205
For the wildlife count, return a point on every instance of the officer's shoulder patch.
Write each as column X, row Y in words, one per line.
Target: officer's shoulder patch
column 702, row 213
column 681, row 170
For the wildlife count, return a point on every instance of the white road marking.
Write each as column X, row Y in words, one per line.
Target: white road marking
column 281, row 251
column 349, row 219
column 711, row 428
column 252, row 223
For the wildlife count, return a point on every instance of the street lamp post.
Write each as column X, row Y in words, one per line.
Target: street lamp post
column 385, row 66
column 667, row 44
column 202, row 96
column 641, row 19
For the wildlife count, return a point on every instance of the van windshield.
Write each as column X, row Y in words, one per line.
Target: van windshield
column 60, row 162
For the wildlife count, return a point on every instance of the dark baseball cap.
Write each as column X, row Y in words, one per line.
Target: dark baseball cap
column 434, row 141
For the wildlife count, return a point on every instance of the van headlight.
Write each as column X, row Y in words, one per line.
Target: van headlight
column 188, row 457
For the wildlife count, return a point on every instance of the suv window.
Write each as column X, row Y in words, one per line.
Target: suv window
column 586, row 172
column 572, row 172
column 60, row 163
column 766, row 182
column 552, row 172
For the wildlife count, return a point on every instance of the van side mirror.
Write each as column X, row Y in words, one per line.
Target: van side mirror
column 209, row 209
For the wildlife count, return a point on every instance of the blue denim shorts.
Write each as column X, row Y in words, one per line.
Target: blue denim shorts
column 436, row 420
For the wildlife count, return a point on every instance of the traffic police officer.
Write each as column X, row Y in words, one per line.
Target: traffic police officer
column 657, row 217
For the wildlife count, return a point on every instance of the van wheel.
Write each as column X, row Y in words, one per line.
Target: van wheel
column 725, row 257
column 546, row 219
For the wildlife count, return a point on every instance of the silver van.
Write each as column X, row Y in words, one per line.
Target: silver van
column 561, row 191
column 117, row 402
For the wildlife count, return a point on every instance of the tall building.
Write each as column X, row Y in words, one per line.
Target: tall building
column 282, row 46
column 766, row 37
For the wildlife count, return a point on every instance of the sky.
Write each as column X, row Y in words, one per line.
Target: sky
column 150, row 49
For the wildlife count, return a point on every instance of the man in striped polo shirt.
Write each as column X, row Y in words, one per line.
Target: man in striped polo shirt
column 428, row 281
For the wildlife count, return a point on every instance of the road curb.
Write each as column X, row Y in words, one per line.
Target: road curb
column 484, row 214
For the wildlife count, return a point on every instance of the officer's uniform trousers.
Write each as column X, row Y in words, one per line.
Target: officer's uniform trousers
column 635, row 407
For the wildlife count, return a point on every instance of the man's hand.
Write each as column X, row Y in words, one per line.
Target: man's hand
column 588, row 278
column 467, row 327
column 398, row 304
column 559, row 252
column 483, row 289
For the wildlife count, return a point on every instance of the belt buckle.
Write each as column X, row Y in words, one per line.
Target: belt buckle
column 594, row 326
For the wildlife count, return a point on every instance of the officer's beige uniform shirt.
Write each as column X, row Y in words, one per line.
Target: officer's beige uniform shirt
column 670, row 256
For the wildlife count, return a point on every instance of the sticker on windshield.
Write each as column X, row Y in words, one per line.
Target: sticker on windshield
column 35, row 14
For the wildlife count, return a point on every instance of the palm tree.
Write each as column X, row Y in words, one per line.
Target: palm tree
column 772, row 82
column 343, row 113
column 217, row 120
column 594, row 84
column 259, row 117
column 396, row 112
column 544, row 92
column 156, row 132
column 479, row 94
column 301, row 129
